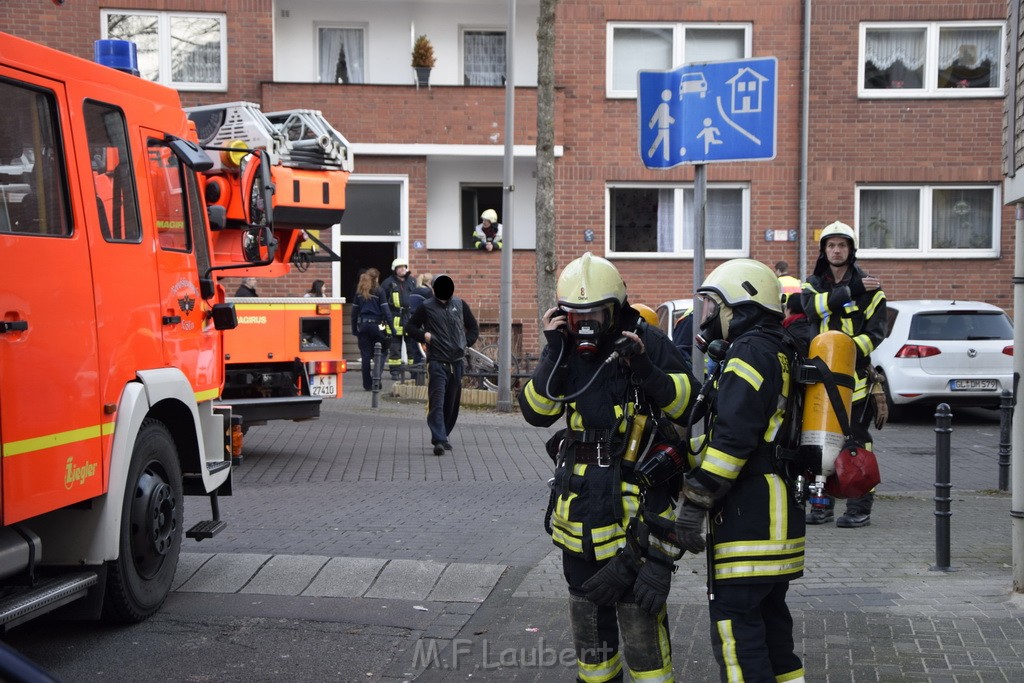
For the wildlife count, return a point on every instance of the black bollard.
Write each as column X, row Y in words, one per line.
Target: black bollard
column 1005, row 440
column 378, row 361
column 943, row 430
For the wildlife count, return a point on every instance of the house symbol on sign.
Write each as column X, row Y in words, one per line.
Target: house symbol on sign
column 746, row 91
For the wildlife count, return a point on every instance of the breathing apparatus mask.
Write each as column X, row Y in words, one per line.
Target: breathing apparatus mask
column 587, row 327
column 714, row 322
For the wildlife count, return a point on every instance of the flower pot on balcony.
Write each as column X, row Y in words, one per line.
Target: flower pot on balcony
column 422, row 76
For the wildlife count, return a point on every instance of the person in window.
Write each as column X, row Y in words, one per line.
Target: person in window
column 487, row 234
column 247, row 288
column 839, row 295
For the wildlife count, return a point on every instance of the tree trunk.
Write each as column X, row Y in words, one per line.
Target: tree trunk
column 547, row 264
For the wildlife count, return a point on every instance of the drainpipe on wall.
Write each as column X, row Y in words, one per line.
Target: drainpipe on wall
column 1017, row 431
column 805, row 115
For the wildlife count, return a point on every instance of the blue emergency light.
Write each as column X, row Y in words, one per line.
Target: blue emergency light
column 122, row 55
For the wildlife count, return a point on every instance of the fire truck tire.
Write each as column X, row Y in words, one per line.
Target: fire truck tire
column 151, row 528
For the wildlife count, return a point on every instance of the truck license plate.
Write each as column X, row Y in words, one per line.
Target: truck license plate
column 973, row 385
column 325, row 386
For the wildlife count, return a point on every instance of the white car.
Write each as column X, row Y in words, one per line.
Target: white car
column 942, row 351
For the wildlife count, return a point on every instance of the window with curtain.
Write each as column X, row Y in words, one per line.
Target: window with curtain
column 632, row 47
column 929, row 221
column 932, row 59
column 483, row 57
column 184, row 51
column 341, row 55
column 650, row 220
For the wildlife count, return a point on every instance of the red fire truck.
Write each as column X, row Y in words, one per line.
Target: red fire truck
column 285, row 356
column 111, row 333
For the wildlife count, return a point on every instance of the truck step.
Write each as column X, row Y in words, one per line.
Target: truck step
column 215, row 466
column 45, row 597
column 207, row 529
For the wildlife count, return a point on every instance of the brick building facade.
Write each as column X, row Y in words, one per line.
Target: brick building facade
column 863, row 143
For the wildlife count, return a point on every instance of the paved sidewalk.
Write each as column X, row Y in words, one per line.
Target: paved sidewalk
column 381, row 510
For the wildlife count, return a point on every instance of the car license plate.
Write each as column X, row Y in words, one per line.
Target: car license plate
column 973, row 385
column 325, row 386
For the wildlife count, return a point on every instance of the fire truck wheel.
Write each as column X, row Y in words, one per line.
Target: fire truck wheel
column 151, row 528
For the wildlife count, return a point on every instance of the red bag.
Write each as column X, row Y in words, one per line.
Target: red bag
column 856, row 473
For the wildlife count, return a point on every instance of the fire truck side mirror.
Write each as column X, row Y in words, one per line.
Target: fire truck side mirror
column 218, row 217
column 259, row 246
column 190, row 154
column 258, row 188
column 224, row 317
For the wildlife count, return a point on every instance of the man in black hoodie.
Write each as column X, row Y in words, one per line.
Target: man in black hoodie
column 841, row 296
column 447, row 326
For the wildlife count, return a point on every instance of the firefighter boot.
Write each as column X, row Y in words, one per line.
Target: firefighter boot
column 596, row 659
column 645, row 643
column 858, row 512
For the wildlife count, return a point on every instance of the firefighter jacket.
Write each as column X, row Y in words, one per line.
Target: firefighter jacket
column 594, row 502
column 756, row 528
column 853, row 311
column 452, row 327
column 397, row 290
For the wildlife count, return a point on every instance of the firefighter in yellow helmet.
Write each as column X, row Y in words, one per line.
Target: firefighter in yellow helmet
column 397, row 288
column 613, row 377
column 487, row 234
column 839, row 295
column 756, row 537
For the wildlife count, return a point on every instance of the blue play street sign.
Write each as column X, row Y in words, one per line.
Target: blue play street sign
column 703, row 113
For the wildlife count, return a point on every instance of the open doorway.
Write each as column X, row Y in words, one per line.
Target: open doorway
column 357, row 256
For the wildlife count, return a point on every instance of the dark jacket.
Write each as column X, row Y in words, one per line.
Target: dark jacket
column 396, row 291
column 418, row 296
column 757, row 530
column 801, row 328
column 373, row 308
column 245, row 290
column 451, row 325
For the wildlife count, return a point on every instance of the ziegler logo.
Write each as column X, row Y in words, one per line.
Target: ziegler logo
column 79, row 474
column 253, row 319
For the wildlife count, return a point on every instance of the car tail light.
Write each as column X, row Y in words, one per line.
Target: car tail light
column 323, row 309
column 1008, row 350
column 917, row 351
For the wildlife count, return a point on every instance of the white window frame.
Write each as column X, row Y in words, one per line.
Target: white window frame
column 365, row 28
column 925, row 204
column 678, row 46
column 462, row 45
column 679, row 207
column 930, row 88
column 164, row 42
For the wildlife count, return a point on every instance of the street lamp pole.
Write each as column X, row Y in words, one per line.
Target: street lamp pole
column 505, row 308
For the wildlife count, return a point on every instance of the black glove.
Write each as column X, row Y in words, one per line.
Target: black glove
column 690, row 527
column 652, row 584
column 613, row 580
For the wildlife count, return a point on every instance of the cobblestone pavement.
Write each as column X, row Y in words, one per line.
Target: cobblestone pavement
column 354, row 505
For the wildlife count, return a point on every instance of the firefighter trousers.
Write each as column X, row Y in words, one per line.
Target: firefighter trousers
column 596, row 631
column 752, row 633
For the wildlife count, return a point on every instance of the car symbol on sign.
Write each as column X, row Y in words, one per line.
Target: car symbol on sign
column 693, row 83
